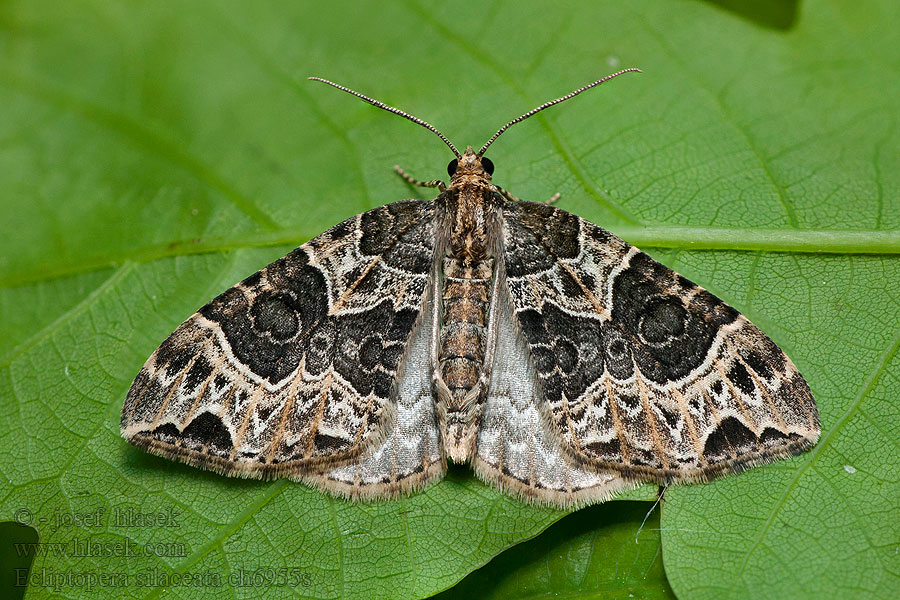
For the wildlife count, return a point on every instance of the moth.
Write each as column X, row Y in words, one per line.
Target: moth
column 560, row 362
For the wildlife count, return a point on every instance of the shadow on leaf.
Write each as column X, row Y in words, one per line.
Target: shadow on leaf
column 774, row 14
column 600, row 551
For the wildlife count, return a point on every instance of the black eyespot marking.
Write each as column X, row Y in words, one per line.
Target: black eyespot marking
column 451, row 168
column 617, row 349
column 487, row 165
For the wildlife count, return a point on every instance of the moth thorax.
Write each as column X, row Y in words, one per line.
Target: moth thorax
column 472, row 224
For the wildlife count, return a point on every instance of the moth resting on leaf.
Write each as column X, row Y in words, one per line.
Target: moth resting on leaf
column 559, row 361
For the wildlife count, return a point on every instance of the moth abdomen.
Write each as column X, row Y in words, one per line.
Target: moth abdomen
column 465, row 299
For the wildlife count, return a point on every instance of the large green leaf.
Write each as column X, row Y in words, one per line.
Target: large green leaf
column 154, row 153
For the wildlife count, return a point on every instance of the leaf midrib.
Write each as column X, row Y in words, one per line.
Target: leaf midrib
column 815, row 241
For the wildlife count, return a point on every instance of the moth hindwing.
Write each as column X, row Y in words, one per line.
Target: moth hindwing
column 559, row 361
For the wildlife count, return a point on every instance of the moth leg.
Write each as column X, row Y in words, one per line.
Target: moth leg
column 661, row 491
column 660, row 496
column 435, row 183
column 512, row 198
column 505, row 194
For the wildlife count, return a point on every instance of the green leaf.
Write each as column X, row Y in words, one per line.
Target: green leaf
column 154, row 153
column 604, row 551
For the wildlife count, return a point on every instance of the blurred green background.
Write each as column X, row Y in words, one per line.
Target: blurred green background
column 153, row 153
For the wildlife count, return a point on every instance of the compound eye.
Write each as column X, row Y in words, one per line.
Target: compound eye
column 451, row 168
column 487, row 165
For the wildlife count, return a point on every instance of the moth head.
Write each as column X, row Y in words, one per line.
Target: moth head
column 470, row 167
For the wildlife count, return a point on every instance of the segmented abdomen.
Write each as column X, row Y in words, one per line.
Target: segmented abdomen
column 465, row 298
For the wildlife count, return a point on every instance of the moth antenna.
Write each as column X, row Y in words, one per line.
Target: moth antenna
column 396, row 111
column 534, row 111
